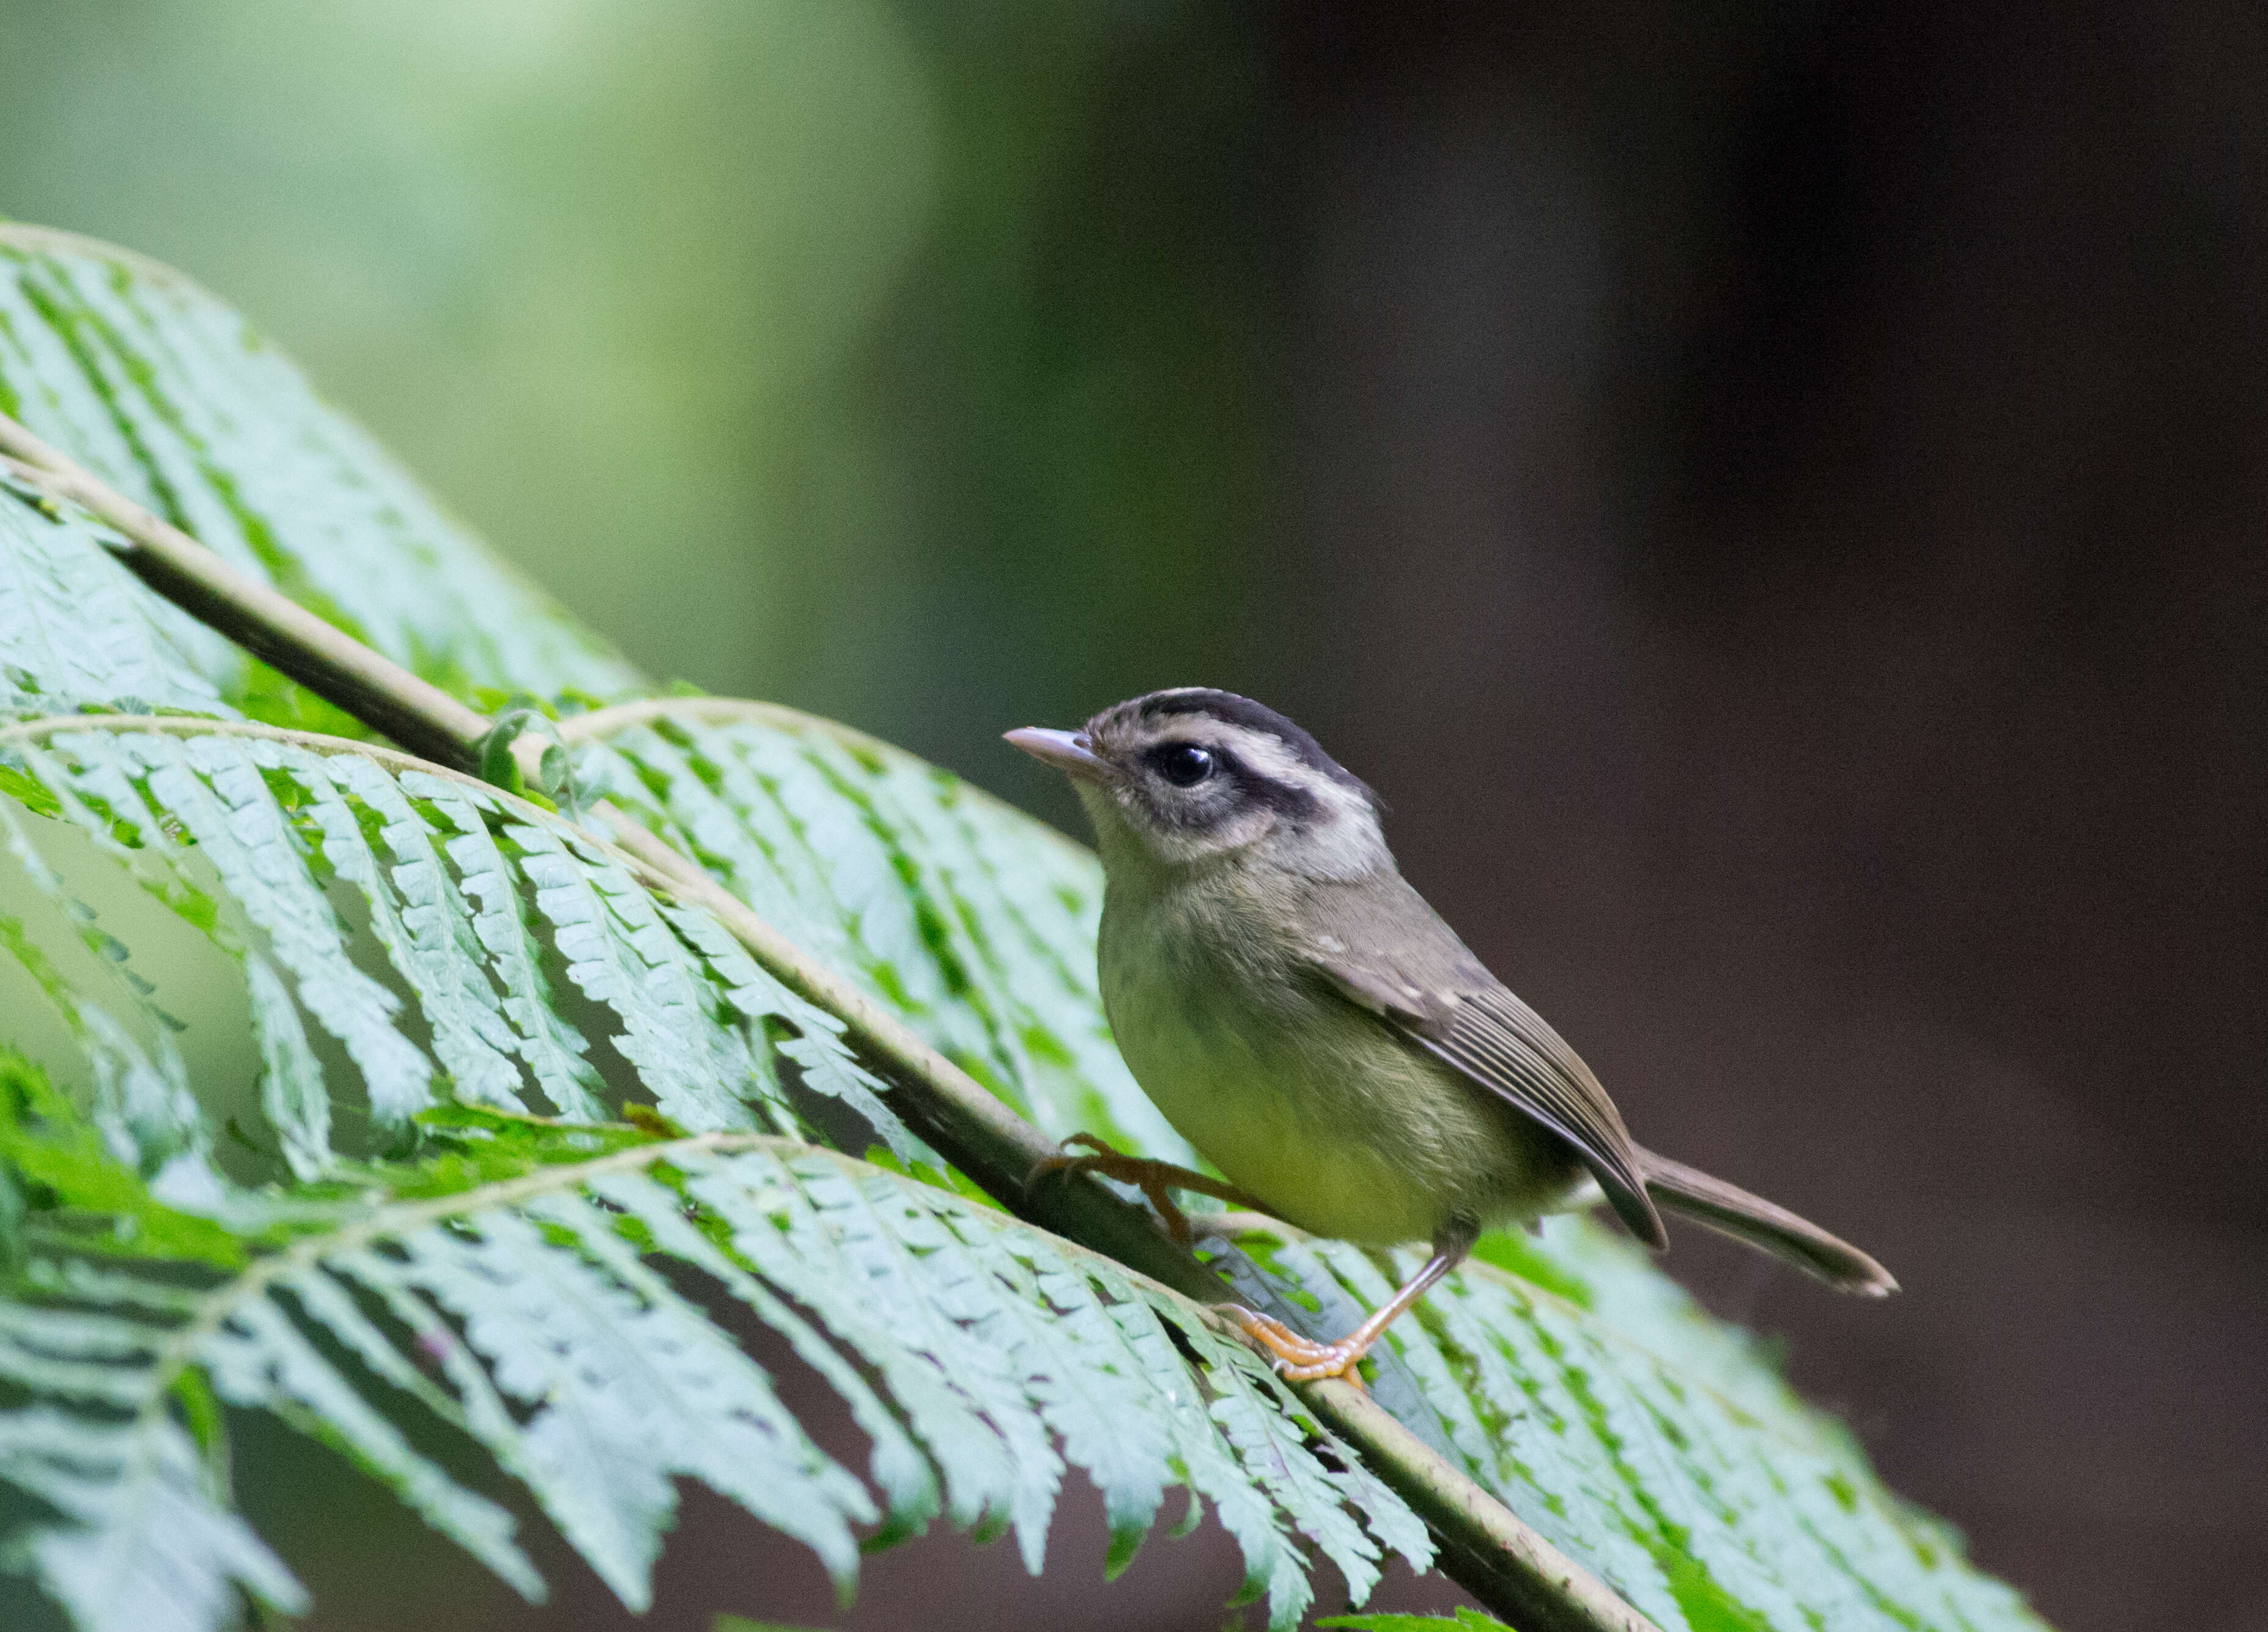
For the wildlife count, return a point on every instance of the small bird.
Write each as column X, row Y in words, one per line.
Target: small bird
column 1311, row 1025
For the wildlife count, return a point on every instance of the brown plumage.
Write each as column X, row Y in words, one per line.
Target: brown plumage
column 1307, row 1020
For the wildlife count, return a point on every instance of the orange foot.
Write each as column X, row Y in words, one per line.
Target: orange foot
column 1153, row 1178
column 1301, row 1359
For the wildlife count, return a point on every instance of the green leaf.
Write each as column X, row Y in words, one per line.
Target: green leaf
column 1463, row 1620
column 61, row 1160
column 77, row 630
column 171, row 398
column 143, row 1545
column 524, row 1310
column 249, row 836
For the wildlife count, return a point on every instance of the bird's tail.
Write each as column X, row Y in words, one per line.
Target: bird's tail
column 1731, row 1211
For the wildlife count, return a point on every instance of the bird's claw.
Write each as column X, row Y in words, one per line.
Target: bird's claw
column 1150, row 1178
column 1297, row 1359
column 1062, row 1161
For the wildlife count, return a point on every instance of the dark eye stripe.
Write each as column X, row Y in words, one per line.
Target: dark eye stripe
column 1285, row 799
column 1242, row 712
column 1234, row 785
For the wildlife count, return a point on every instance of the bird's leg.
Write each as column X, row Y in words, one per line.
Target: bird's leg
column 1153, row 1178
column 1299, row 1359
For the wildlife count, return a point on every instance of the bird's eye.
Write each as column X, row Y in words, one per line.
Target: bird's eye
column 1183, row 764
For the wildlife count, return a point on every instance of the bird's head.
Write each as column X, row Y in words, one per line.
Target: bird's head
column 1180, row 779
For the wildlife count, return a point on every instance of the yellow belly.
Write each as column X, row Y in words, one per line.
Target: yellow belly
column 1339, row 1126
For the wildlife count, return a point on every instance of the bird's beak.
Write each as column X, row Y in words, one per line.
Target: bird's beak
column 1068, row 751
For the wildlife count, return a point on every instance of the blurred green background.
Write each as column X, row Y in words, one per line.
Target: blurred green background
column 782, row 341
column 1772, row 494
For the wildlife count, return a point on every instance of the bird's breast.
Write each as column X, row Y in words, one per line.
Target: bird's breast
column 1337, row 1123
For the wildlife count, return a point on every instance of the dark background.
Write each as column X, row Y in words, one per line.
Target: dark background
column 1772, row 496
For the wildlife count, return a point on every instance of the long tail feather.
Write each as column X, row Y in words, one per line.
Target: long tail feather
column 1731, row 1211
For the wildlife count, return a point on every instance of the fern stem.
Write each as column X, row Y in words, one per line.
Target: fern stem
column 368, row 685
column 400, row 1219
column 1486, row 1547
column 600, row 722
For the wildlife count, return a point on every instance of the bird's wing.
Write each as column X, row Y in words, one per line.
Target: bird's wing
column 1472, row 1022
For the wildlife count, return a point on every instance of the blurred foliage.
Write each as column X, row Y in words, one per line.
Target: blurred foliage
column 694, row 307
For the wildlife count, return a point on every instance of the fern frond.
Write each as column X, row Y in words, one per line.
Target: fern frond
column 77, row 630
column 1674, row 1463
column 171, row 399
column 511, row 1292
column 973, row 923
column 248, row 833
